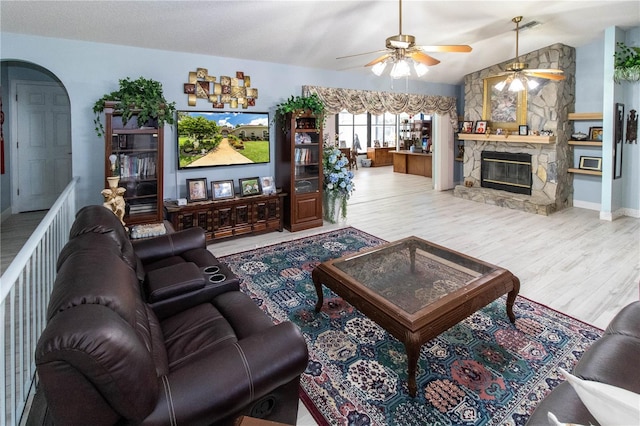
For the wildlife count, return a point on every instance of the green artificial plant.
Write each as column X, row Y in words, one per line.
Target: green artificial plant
column 301, row 104
column 626, row 63
column 142, row 98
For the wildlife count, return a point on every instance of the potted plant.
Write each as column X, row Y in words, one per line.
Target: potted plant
column 337, row 185
column 301, row 104
column 627, row 63
column 142, row 98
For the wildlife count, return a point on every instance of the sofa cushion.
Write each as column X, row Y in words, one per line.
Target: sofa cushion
column 612, row 359
column 195, row 331
column 627, row 321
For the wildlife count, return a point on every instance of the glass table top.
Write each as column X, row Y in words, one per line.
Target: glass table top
column 436, row 272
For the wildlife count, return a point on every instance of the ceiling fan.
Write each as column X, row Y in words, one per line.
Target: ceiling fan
column 518, row 72
column 401, row 49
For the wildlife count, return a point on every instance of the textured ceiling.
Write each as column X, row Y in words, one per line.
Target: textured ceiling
column 314, row 33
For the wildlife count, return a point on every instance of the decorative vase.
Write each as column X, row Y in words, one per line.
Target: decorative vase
column 334, row 208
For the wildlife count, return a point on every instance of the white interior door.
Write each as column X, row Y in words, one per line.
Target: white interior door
column 42, row 145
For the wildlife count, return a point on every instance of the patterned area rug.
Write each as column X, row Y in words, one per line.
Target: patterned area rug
column 484, row 371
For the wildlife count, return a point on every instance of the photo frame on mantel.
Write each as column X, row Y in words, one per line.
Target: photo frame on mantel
column 502, row 108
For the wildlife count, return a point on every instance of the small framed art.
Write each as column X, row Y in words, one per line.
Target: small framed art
column 591, row 163
column 467, row 127
column 268, row 185
column 595, row 133
column 481, row 127
column 250, row 186
column 222, row 189
column 197, row 189
column 523, row 130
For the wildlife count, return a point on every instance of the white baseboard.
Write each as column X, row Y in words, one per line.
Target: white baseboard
column 586, row 205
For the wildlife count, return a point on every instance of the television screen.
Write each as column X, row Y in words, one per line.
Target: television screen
column 222, row 138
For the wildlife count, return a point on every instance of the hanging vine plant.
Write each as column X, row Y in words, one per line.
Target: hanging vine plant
column 299, row 105
column 142, row 98
column 626, row 63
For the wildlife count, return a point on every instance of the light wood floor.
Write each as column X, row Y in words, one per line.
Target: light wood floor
column 570, row 261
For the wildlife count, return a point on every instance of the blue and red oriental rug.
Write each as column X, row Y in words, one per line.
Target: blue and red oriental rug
column 483, row 371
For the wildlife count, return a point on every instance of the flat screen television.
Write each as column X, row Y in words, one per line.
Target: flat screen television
column 222, row 138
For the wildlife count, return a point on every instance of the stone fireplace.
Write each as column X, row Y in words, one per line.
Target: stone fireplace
column 548, row 107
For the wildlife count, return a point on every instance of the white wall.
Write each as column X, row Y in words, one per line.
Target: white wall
column 89, row 70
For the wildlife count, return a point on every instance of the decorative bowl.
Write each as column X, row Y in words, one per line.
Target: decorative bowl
column 579, row 136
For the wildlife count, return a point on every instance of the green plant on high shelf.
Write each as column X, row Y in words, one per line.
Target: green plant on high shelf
column 142, row 97
column 299, row 105
column 338, row 184
column 626, row 63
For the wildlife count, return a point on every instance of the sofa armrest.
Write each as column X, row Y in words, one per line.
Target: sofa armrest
column 232, row 377
column 152, row 249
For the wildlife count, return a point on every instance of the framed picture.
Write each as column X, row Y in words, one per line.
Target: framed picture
column 523, row 130
column 467, row 127
column 618, row 141
column 481, row 127
column 250, row 186
column 197, row 189
column 503, row 108
column 595, row 134
column 591, row 163
column 268, row 185
column 222, row 189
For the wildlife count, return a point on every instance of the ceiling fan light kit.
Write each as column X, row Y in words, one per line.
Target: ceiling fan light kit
column 518, row 74
column 404, row 55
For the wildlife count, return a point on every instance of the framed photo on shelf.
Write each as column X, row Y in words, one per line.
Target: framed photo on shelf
column 523, row 130
column 250, row 186
column 503, row 108
column 467, row 127
column 481, row 127
column 197, row 189
column 268, row 185
column 591, row 163
column 222, row 189
column 595, row 134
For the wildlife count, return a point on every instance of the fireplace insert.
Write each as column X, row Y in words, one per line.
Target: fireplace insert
column 506, row 171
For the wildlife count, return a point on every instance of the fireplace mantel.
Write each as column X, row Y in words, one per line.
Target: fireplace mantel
column 546, row 140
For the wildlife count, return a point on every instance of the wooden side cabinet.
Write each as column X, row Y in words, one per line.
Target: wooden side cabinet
column 229, row 218
column 299, row 170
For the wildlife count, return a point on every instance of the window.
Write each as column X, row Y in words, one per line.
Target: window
column 384, row 129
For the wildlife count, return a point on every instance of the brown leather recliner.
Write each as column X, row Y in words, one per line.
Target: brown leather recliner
column 105, row 357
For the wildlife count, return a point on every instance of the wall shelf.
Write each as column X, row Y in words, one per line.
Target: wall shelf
column 584, row 172
column 586, row 143
column 507, row 138
column 585, row 116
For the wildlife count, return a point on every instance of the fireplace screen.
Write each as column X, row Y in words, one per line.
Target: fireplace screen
column 506, row 171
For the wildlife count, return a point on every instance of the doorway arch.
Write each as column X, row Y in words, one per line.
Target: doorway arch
column 37, row 137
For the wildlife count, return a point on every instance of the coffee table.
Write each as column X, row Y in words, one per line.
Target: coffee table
column 415, row 290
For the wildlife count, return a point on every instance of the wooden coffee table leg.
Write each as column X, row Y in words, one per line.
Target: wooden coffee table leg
column 315, row 275
column 511, row 298
column 412, row 347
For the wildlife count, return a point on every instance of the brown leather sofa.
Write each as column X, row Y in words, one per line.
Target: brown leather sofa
column 107, row 357
column 612, row 359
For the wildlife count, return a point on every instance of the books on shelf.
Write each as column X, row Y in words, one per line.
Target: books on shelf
column 302, row 155
column 139, row 165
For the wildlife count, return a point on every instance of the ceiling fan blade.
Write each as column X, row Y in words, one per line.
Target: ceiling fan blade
column 379, row 59
column 549, row 70
column 461, row 48
column 423, row 58
column 361, row 54
column 544, row 75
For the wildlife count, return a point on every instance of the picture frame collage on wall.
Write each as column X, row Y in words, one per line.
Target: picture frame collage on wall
column 225, row 189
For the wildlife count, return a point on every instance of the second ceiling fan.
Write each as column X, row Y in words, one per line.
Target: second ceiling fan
column 401, row 48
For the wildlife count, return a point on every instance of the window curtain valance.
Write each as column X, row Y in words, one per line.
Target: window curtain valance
column 377, row 103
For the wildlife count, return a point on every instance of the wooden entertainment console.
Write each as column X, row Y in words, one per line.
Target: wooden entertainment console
column 229, row 218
